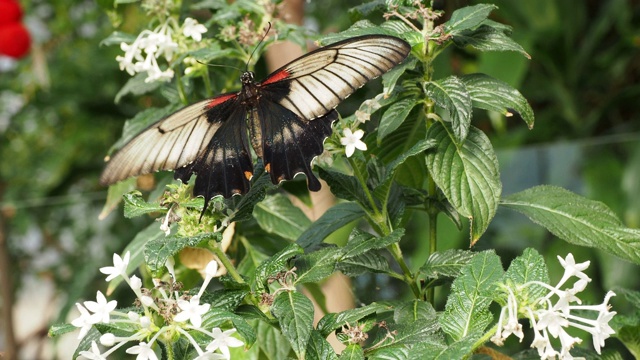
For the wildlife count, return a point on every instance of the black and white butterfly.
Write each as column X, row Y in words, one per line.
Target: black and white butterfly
column 285, row 118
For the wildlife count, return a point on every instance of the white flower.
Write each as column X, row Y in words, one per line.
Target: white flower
column 170, row 264
column 108, row 339
column 147, row 301
column 351, row 141
column 145, row 322
column 193, row 29
column 119, row 267
column 222, row 340
column 101, row 309
column 573, row 269
column 362, row 116
column 210, row 356
column 94, row 354
column 85, row 321
column 192, row 311
column 133, row 316
column 135, row 283
column 144, row 352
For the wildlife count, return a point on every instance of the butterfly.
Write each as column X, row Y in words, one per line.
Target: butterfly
column 284, row 118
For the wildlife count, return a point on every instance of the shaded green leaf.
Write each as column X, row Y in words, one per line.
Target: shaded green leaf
column 452, row 95
column 352, row 352
column 135, row 205
column 319, row 348
column 394, row 116
column 137, row 86
column 115, row 194
column 467, row 174
column 159, row 249
column 316, row 266
column 276, row 263
column 294, row 312
column 343, row 186
column 492, row 94
column 360, row 242
column 468, row 17
column 371, row 261
column 577, row 220
column 271, row 341
column 277, row 215
column 333, row 219
column 448, row 263
column 488, row 38
column 390, row 78
column 334, row 321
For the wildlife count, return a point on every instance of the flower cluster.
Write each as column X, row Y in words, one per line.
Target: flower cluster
column 177, row 315
column 548, row 318
column 142, row 55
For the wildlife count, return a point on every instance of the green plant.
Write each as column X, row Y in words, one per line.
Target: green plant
column 423, row 155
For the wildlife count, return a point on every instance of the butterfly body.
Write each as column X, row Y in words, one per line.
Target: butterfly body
column 284, row 118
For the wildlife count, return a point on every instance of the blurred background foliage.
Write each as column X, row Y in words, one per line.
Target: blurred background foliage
column 583, row 82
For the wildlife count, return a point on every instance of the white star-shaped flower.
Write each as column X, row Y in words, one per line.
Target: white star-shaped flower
column 222, row 340
column 119, row 267
column 144, row 352
column 192, row 311
column 351, row 141
column 94, row 354
column 193, row 29
column 85, row 321
column 101, row 309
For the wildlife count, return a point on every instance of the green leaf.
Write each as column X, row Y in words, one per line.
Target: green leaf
column 343, row 186
column 334, row 321
column 60, row 329
column 452, row 95
column 118, row 37
column 135, row 205
column 333, row 219
column 224, row 299
column 316, row 266
column 271, row 341
column 448, row 263
column 372, row 261
column 577, row 220
column 394, row 116
column 137, row 86
column 277, row 215
column 390, row 78
column 467, row 308
column 361, row 242
column 368, row 7
column 468, row 18
column 245, row 204
column 492, row 94
column 414, row 310
column 158, row 250
column 276, row 263
column 352, row 352
column 460, row 349
column 488, row 38
column 85, row 343
column 627, row 326
column 416, row 149
column 467, row 174
column 529, row 266
column 406, row 335
column 319, row 348
column 115, row 194
column 216, row 317
column 294, row 312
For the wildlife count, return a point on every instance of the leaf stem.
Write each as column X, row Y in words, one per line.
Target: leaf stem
column 226, row 262
column 181, row 93
column 396, row 252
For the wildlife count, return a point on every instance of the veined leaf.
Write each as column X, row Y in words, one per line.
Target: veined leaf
column 492, row 94
column 294, row 312
column 333, row 219
column 135, row 205
column 276, row 263
column 344, row 186
column 452, row 95
column 468, row 17
column 394, row 116
column 319, row 348
column 277, row 215
column 577, row 220
column 488, row 38
column 390, row 79
column 158, row 250
column 529, row 266
column 334, row 321
column 467, row 309
column 352, row 352
column 467, row 174
column 317, row 265
column 359, row 243
column 448, row 263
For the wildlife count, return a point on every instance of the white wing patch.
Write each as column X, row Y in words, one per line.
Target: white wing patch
column 320, row 80
column 169, row 144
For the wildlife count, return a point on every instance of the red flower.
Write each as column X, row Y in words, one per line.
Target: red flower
column 10, row 12
column 14, row 40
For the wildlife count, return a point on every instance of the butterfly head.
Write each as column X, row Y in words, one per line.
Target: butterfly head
column 247, row 77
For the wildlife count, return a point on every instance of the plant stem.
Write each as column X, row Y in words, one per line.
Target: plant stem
column 207, row 83
column 396, row 252
column 181, row 94
column 226, row 262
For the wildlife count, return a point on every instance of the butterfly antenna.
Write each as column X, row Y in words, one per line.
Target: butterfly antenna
column 219, row 65
column 266, row 32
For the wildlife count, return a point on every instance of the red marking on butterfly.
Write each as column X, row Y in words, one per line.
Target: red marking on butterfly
column 219, row 100
column 280, row 75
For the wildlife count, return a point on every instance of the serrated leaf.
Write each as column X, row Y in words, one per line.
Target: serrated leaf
column 577, row 220
column 452, row 95
column 368, row 7
column 271, row 341
column 60, row 329
column 224, row 299
column 334, row 321
column 394, row 116
column 487, row 38
column 294, row 312
column 135, row 205
column 85, row 342
column 372, row 261
column 115, row 194
column 343, row 186
column 529, row 266
column 492, row 94
column 277, row 215
column 459, row 349
column 448, row 263
column 468, row 17
column 317, row 265
column 360, row 243
column 467, row 174
column 352, row 352
column 467, row 308
column 390, row 78
column 406, row 335
column 260, row 183
column 414, row 310
column 276, row 263
column 333, row 219
column 416, row 149
column 215, row 317
column 158, row 250
column 319, row 348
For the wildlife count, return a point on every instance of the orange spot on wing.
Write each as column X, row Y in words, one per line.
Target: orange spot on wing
column 267, row 167
column 220, row 99
column 280, row 75
column 248, row 175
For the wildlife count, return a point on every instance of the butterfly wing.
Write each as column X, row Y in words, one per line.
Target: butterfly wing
column 297, row 101
column 172, row 142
